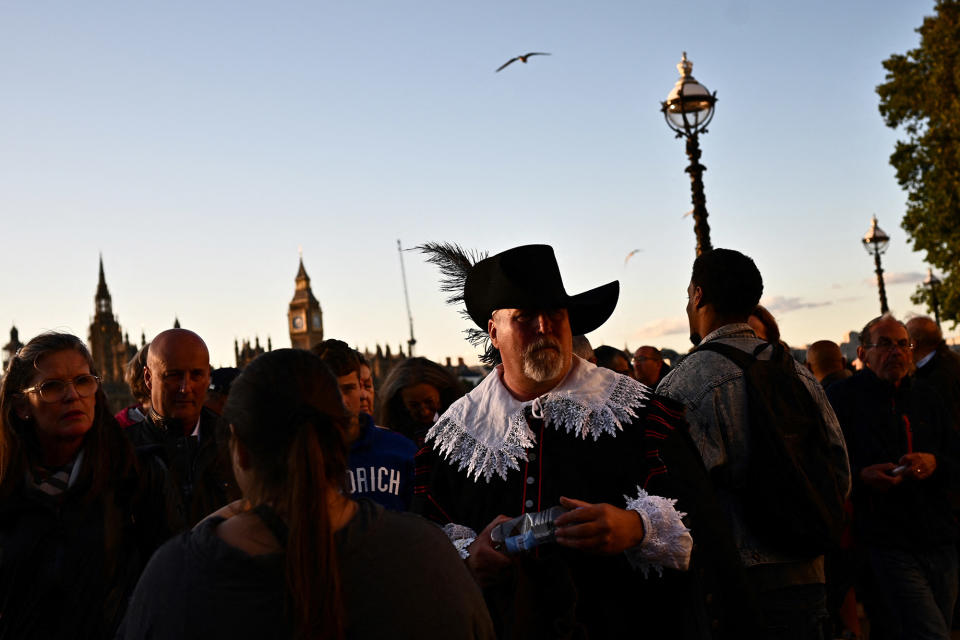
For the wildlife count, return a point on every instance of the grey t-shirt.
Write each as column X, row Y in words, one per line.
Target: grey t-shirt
column 400, row 578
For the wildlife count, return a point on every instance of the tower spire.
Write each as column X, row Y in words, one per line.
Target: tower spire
column 102, row 301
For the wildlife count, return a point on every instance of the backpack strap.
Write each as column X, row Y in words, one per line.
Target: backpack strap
column 761, row 347
column 740, row 358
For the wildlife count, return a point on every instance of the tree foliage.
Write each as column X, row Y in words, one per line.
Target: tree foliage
column 921, row 97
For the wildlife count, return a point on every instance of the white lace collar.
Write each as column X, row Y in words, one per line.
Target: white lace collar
column 486, row 431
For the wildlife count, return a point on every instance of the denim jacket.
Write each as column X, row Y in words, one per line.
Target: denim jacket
column 712, row 389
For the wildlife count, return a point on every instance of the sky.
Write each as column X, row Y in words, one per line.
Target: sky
column 199, row 145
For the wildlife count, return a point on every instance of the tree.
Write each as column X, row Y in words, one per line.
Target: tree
column 921, row 96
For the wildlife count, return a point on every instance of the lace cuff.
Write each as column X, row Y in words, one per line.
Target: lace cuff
column 461, row 537
column 666, row 540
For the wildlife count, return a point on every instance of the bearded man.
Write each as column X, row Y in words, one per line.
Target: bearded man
column 547, row 428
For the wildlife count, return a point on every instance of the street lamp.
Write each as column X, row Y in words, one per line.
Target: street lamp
column 932, row 283
column 688, row 110
column 875, row 241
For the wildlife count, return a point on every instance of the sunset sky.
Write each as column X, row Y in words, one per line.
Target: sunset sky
column 197, row 145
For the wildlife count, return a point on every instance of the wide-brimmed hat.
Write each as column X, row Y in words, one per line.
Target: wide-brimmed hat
column 528, row 277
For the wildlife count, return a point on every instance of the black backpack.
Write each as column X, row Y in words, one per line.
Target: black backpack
column 792, row 498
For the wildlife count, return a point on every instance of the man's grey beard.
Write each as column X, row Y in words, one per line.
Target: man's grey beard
column 543, row 364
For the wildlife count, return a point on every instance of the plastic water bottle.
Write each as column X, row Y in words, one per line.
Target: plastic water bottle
column 526, row 532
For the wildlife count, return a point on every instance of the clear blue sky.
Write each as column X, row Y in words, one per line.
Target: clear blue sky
column 199, row 144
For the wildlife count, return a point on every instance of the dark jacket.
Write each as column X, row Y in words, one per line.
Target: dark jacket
column 942, row 373
column 881, row 423
column 68, row 566
column 836, row 376
column 198, row 466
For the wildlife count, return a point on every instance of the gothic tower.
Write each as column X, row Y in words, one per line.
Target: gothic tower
column 304, row 317
column 10, row 349
column 109, row 348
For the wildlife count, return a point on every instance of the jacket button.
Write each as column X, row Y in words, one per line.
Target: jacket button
column 528, row 504
column 530, row 480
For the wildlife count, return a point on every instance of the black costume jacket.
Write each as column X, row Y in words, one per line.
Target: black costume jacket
column 563, row 593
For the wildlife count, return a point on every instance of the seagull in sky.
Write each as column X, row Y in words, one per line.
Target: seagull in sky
column 630, row 255
column 522, row 59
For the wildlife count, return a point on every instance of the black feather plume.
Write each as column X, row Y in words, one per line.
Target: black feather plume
column 455, row 263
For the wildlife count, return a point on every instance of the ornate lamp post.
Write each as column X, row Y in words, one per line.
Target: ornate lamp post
column 875, row 241
column 688, row 110
column 932, row 283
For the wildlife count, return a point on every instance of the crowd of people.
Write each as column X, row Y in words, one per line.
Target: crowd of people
column 733, row 492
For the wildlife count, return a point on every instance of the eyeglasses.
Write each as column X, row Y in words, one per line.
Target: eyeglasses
column 54, row 390
column 886, row 344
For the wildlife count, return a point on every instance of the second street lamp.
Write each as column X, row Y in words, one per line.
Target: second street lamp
column 875, row 241
column 688, row 110
column 932, row 284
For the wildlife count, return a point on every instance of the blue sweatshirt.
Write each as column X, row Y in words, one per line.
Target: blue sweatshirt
column 381, row 466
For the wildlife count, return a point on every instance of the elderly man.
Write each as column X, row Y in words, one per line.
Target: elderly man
column 180, row 429
column 936, row 364
column 902, row 452
column 716, row 387
column 546, row 428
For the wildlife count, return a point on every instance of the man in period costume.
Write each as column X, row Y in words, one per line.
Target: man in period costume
column 547, row 428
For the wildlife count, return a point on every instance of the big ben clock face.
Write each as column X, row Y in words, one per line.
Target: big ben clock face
column 298, row 322
column 315, row 321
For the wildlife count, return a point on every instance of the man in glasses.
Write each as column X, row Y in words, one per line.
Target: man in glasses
column 648, row 366
column 902, row 458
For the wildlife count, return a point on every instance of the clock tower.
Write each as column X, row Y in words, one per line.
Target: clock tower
column 304, row 319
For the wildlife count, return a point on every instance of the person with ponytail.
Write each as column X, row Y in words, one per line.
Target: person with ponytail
column 296, row 557
column 79, row 514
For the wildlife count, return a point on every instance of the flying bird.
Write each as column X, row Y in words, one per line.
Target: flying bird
column 522, row 59
column 630, row 255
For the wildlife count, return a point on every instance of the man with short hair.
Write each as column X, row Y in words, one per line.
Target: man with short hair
column 825, row 362
column 380, row 466
column 648, row 366
column 180, row 429
column 903, row 456
column 724, row 289
column 937, row 364
column 547, row 428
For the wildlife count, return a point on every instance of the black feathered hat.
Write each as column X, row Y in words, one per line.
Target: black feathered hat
column 528, row 277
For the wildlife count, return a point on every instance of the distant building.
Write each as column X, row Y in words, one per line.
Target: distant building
column 382, row 361
column 10, row 349
column 469, row 376
column 110, row 347
column 245, row 354
column 304, row 315
column 849, row 347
